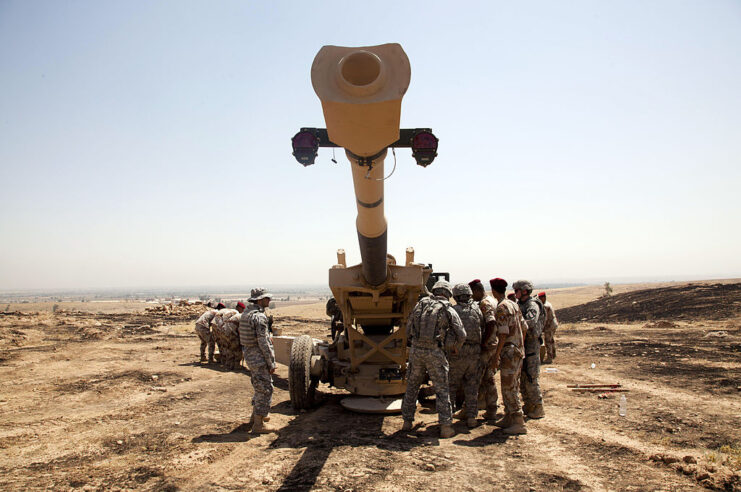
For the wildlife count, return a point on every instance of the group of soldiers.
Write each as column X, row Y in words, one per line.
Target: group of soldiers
column 243, row 333
column 460, row 347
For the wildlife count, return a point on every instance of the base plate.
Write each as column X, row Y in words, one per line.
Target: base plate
column 368, row 404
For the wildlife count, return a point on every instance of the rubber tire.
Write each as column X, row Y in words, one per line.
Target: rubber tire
column 301, row 387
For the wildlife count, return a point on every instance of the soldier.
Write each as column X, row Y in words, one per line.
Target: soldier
column 232, row 347
column 203, row 329
column 534, row 314
column 218, row 332
column 432, row 325
column 551, row 325
column 488, row 385
column 465, row 366
column 508, row 358
column 259, row 355
column 334, row 311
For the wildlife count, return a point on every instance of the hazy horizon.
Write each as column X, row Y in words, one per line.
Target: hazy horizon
column 148, row 143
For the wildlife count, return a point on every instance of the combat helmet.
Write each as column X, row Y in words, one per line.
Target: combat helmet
column 523, row 285
column 462, row 290
column 443, row 285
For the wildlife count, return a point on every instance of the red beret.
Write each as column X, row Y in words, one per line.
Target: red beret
column 541, row 294
column 241, row 304
column 498, row 283
column 474, row 282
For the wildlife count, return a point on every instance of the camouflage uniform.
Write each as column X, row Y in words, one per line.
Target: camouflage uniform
column 231, row 345
column 218, row 331
column 534, row 315
column 509, row 329
column 465, row 367
column 259, row 356
column 488, row 387
column 432, row 325
column 203, row 329
column 551, row 325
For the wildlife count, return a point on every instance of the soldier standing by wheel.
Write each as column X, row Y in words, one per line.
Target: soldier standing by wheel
column 260, row 358
column 488, row 385
column 465, row 366
column 432, row 325
column 534, row 314
column 551, row 325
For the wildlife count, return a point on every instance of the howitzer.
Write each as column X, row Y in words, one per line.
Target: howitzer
column 361, row 90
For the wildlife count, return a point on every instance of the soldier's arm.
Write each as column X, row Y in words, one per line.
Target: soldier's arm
column 502, row 330
column 456, row 325
column 531, row 316
column 264, row 343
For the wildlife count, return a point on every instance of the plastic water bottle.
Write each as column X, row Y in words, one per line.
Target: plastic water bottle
column 623, row 407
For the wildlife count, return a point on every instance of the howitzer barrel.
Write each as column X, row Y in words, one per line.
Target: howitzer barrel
column 361, row 91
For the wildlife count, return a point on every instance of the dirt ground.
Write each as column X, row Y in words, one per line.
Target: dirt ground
column 119, row 401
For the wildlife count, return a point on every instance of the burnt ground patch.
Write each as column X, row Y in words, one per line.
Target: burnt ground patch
column 116, row 379
column 692, row 301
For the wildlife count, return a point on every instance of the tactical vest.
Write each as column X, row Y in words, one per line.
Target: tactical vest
column 431, row 320
column 247, row 324
column 471, row 318
column 540, row 321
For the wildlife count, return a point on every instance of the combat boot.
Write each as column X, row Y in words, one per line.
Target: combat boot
column 446, row 431
column 471, row 423
column 203, row 358
column 264, row 419
column 517, row 426
column 259, row 426
column 491, row 413
column 407, row 426
column 210, row 358
column 536, row 412
column 504, row 422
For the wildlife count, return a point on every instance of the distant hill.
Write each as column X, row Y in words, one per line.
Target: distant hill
column 713, row 301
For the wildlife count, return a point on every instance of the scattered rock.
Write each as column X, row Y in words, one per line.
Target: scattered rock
column 689, row 469
column 158, row 388
column 689, row 459
column 155, row 377
column 716, row 334
column 669, row 459
column 702, row 475
column 430, row 467
column 119, row 442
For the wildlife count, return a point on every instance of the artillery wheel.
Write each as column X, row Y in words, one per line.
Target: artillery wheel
column 301, row 386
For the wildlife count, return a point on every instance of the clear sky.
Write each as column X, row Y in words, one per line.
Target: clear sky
column 147, row 143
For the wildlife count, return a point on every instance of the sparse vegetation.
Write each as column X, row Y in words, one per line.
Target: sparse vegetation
column 608, row 289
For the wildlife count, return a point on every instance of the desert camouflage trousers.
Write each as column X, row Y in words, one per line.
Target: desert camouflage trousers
column 423, row 362
column 550, row 343
column 206, row 340
column 488, row 387
column 262, row 381
column 465, row 374
column 530, row 377
column 510, row 366
column 229, row 347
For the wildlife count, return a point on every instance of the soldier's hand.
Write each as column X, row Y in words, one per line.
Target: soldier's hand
column 272, row 371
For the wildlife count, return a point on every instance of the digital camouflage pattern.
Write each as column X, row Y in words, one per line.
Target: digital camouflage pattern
column 260, row 358
column 428, row 328
column 530, row 375
column 551, row 325
column 465, row 366
column 203, row 329
column 509, row 330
